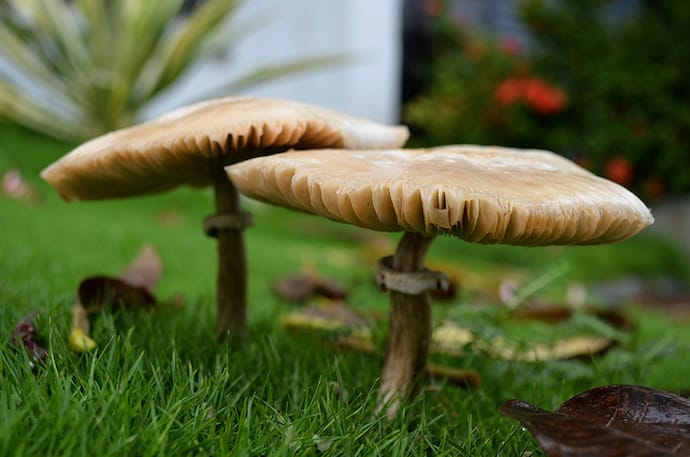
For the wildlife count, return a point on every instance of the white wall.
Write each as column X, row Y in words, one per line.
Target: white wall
column 371, row 30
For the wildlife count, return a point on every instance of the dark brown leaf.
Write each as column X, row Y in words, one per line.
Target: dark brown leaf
column 632, row 421
column 132, row 289
column 303, row 286
column 99, row 292
column 295, row 288
column 552, row 312
column 25, row 334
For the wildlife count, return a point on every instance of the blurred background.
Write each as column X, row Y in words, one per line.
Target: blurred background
column 601, row 82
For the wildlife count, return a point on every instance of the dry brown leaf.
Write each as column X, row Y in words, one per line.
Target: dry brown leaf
column 132, row 290
column 301, row 287
column 630, row 421
column 25, row 334
column 145, row 270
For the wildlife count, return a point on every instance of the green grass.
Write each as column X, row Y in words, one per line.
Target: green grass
column 159, row 384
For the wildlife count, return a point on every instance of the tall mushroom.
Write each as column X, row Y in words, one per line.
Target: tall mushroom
column 192, row 145
column 479, row 194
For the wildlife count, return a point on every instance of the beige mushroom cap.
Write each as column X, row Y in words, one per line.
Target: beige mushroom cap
column 479, row 194
column 186, row 145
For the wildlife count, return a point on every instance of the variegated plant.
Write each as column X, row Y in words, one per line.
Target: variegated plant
column 76, row 69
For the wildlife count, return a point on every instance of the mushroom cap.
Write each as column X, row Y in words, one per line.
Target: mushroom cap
column 190, row 144
column 477, row 193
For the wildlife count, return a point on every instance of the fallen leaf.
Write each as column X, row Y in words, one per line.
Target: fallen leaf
column 301, row 287
column 25, row 334
column 452, row 339
column 339, row 323
column 619, row 420
column 294, row 288
column 99, row 292
column 145, row 270
column 132, row 290
column 79, row 340
column 548, row 312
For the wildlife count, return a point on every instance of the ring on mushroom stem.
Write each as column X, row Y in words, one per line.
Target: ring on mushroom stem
column 476, row 193
column 411, row 282
column 227, row 221
column 190, row 146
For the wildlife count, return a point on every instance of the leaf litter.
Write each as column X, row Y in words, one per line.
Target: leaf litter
column 132, row 289
column 589, row 330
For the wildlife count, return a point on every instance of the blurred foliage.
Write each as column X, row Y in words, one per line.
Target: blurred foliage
column 85, row 67
column 613, row 95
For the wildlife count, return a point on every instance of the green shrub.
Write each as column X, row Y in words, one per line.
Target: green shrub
column 613, row 96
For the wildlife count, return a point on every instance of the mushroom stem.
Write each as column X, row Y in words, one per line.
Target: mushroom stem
column 409, row 331
column 232, row 265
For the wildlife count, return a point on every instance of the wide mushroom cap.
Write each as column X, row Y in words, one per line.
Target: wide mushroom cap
column 480, row 194
column 185, row 146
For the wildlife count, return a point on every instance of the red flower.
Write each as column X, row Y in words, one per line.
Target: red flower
column 619, row 170
column 509, row 91
column 540, row 96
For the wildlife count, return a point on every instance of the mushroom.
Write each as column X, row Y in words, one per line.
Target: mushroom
column 479, row 194
column 191, row 145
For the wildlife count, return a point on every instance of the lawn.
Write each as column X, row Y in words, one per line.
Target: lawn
column 159, row 384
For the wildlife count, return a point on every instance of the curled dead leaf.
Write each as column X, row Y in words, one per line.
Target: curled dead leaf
column 132, row 290
column 145, row 270
column 548, row 312
column 24, row 334
column 99, row 292
column 301, row 287
column 619, row 420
